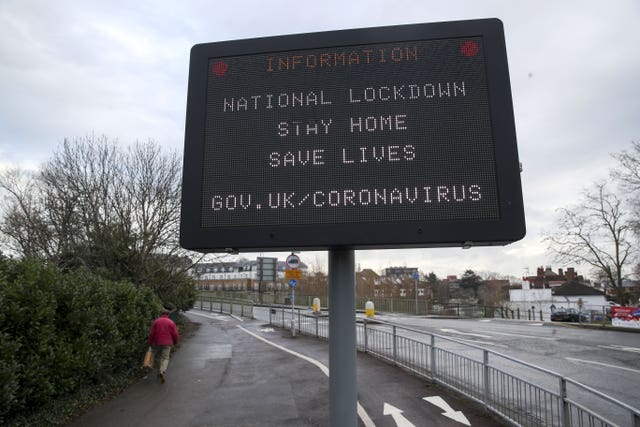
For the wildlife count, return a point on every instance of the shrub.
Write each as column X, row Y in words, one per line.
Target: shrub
column 64, row 331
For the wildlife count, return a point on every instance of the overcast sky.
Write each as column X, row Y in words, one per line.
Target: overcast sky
column 119, row 68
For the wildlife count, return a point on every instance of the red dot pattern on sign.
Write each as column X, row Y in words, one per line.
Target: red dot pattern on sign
column 469, row 48
column 220, row 68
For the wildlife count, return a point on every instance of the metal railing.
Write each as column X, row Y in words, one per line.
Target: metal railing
column 382, row 304
column 227, row 306
column 521, row 393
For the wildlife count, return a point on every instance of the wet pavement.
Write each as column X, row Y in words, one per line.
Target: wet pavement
column 246, row 373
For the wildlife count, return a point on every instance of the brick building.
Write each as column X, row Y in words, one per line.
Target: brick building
column 547, row 278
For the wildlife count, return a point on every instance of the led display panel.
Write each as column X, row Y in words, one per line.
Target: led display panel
column 382, row 137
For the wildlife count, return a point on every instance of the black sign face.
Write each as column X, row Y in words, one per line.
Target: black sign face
column 384, row 137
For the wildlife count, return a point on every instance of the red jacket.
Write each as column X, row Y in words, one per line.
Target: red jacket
column 163, row 331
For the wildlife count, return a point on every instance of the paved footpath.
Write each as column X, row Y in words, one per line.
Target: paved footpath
column 240, row 374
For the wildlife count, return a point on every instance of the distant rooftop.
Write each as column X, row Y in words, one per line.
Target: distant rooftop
column 575, row 289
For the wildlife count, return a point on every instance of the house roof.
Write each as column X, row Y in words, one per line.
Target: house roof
column 369, row 273
column 575, row 289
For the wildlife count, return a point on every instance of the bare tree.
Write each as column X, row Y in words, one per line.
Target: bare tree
column 596, row 232
column 628, row 175
column 81, row 185
column 24, row 228
column 629, row 162
column 493, row 294
column 99, row 206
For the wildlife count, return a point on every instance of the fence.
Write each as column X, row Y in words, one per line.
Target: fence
column 228, row 306
column 521, row 393
column 599, row 315
column 391, row 305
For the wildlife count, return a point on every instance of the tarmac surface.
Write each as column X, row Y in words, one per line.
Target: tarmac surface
column 230, row 372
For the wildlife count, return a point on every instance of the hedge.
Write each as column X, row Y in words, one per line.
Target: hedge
column 60, row 332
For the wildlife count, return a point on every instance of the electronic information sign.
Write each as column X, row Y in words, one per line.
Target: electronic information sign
column 383, row 137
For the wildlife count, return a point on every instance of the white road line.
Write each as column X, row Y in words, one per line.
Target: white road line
column 637, row 371
column 530, row 324
column 362, row 413
column 476, row 342
column 520, row 335
column 620, row 347
column 453, row 331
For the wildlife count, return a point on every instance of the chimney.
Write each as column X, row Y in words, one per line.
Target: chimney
column 560, row 272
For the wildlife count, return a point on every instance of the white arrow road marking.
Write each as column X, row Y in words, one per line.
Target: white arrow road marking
column 396, row 413
column 453, row 331
column 448, row 410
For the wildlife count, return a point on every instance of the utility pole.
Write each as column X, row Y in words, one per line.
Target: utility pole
column 416, row 276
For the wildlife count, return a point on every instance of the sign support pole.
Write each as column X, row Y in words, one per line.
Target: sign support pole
column 343, row 390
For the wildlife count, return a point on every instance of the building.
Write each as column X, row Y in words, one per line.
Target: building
column 568, row 295
column 574, row 293
column 241, row 275
column 547, row 278
column 396, row 282
column 452, row 282
column 368, row 283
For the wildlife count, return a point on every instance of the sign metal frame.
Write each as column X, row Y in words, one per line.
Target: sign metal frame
column 509, row 227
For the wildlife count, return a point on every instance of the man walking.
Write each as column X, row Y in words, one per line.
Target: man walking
column 163, row 335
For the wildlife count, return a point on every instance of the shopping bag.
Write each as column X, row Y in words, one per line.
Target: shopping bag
column 148, row 360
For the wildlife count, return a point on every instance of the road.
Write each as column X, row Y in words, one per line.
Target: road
column 608, row 361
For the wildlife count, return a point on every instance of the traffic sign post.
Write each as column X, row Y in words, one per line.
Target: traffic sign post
column 293, row 308
column 266, row 269
column 294, row 274
column 266, row 272
column 388, row 137
column 293, row 261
